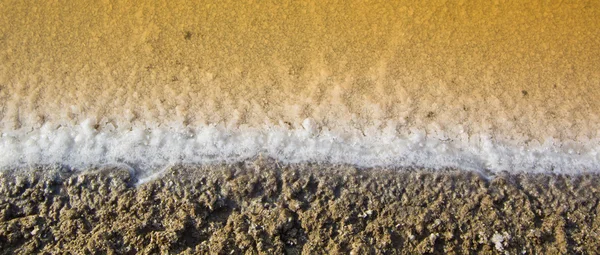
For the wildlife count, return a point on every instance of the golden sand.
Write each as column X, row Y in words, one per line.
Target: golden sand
column 485, row 85
column 517, row 70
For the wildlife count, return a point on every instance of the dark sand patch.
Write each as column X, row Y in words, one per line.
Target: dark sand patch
column 261, row 208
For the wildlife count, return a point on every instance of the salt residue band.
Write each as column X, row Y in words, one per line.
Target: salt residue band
column 148, row 148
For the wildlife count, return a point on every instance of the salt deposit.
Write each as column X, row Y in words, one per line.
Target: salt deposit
column 505, row 86
column 149, row 148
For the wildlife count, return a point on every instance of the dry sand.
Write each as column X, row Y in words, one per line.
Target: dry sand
column 500, row 85
column 263, row 207
column 518, row 71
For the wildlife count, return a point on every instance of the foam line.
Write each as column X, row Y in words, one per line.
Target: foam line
column 150, row 148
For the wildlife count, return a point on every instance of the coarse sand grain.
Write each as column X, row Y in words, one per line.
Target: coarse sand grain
column 263, row 207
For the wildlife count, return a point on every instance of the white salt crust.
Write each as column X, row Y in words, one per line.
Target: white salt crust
column 148, row 149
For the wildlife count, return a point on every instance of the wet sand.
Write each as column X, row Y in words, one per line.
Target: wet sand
column 494, row 86
column 263, row 207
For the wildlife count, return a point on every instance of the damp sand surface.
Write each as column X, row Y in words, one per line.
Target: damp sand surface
column 262, row 207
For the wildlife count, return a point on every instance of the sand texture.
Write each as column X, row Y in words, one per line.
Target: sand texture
column 346, row 64
column 498, row 100
column 87, row 82
column 263, row 207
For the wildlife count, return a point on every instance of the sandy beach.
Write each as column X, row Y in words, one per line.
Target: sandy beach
column 497, row 86
column 299, row 127
column 263, row 207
